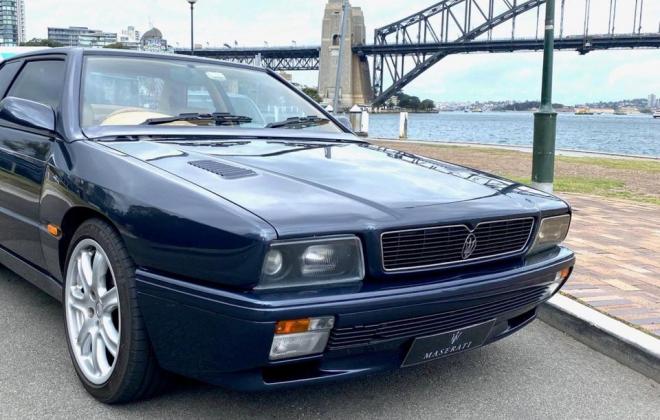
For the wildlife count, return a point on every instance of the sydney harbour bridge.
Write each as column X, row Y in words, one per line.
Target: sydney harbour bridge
column 406, row 48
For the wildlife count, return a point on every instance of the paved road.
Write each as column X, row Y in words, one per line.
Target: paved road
column 538, row 373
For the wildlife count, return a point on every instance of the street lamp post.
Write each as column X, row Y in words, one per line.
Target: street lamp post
column 545, row 120
column 192, row 26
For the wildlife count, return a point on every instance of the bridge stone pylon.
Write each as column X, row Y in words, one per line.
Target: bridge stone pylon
column 356, row 81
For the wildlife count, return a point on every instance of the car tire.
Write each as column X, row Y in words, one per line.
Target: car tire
column 106, row 335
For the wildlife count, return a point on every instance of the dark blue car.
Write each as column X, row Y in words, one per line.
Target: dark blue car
column 210, row 220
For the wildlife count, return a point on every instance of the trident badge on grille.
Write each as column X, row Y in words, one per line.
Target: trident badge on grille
column 469, row 246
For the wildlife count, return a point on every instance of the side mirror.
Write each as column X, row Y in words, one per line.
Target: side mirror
column 343, row 120
column 27, row 113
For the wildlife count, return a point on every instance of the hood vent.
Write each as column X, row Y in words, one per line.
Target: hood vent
column 222, row 169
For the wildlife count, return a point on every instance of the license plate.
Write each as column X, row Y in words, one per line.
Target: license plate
column 433, row 347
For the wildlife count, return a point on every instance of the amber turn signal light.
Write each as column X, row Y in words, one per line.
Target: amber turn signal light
column 565, row 272
column 292, row 326
column 53, row 230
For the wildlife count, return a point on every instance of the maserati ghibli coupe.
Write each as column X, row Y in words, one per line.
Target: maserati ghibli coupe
column 210, row 220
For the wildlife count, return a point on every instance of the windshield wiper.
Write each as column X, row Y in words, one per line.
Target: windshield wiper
column 299, row 122
column 220, row 118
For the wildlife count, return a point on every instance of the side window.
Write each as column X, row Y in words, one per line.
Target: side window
column 40, row 81
column 7, row 73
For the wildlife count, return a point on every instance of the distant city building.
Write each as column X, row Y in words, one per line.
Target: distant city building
column 20, row 19
column 153, row 41
column 130, row 38
column 652, row 101
column 12, row 22
column 392, row 102
column 81, row 36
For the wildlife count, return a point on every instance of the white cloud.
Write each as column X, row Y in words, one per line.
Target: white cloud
column 644, row 72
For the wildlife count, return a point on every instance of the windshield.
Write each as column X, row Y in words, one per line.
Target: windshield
column 136, row 91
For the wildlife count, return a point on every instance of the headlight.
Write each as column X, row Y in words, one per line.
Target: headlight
column 552, row 232
column 311, row 262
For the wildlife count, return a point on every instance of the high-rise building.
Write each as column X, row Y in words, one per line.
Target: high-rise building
column 130, row 38
column 652, row 101
column 20, row 17
column 81, row 36
column 12, row 22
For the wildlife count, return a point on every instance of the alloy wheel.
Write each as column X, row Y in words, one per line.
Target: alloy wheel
column 92, row 311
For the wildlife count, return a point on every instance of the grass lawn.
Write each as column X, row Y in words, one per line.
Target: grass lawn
column 628, row 179
column 603, row 187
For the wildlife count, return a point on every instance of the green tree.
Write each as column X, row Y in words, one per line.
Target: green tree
column 415, row 103
column 427, row 105
column 404, row 100
column 312, row 93
column 117, row 46
column 36, row 42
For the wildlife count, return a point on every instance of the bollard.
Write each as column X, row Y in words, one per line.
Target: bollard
column 364, row 129
column 403, row 125
column 355, row 116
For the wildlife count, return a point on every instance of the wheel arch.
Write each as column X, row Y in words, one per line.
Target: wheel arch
column 71, row 221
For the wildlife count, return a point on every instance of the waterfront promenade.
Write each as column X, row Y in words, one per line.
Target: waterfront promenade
column 618, row 252
column 617, row 241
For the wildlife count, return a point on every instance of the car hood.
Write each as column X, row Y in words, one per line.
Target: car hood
column 333, row 186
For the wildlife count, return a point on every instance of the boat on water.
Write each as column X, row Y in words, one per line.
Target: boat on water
column 656, row 114
column 626, row 110
column 583, row 111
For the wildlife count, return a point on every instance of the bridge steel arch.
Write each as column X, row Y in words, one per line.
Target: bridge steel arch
column 417, row 29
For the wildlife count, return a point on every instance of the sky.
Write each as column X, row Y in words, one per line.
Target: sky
column 603, row 75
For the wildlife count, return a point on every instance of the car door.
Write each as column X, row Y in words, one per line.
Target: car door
column 23, row 155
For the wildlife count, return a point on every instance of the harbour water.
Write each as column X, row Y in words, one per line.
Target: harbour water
column 630, row 134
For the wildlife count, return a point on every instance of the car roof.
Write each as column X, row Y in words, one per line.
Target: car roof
column 129, row 53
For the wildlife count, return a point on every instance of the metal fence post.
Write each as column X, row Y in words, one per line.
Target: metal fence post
column 545, row 120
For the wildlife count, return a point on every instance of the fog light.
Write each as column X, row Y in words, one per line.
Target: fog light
column 300, row 337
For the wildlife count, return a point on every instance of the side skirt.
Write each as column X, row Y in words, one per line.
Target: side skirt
column 38, row 278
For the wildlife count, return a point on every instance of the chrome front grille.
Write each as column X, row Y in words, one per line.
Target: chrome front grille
column 445, row 245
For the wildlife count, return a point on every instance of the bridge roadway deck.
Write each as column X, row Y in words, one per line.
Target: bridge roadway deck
column 577, row 43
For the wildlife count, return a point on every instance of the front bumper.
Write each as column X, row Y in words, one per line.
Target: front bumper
column 224, row 337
